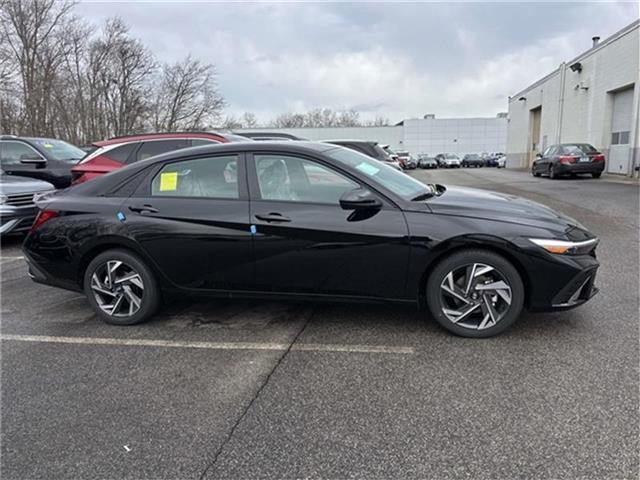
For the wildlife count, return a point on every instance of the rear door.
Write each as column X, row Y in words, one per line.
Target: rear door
column 306, row 243
column 192, row 217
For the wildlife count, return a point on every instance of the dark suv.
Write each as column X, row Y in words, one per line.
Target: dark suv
column 568, row 158
column 46, row 159
column 369, row 148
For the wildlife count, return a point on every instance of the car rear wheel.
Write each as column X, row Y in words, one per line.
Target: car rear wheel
column 552, row 172
column 475, row 293
column 121, row 288
column 596, row 175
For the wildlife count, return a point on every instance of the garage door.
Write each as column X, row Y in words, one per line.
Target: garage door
column 619, row 151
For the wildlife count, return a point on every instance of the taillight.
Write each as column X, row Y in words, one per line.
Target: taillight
column 566, row 159
column 598, row 158
column 43, row 217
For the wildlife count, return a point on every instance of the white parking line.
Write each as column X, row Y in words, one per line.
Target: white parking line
column 3, row 258
column 308, row 347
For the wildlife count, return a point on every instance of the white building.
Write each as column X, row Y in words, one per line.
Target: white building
column 427, row 135
column 592, row 98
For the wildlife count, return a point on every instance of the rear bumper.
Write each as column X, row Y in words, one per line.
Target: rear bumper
column 586, row 167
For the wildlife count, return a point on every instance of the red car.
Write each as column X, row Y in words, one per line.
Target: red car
column 109, row 155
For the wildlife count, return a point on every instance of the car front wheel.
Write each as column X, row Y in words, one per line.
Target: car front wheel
column 475, row 293
column 121, row 288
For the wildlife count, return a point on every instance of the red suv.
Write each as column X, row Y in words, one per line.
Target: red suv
column 109, row 155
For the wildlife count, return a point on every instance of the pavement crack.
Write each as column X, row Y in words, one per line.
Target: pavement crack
column 255, row 397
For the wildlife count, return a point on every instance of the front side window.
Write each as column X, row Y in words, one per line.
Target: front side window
column 156, row 147
column 213, row 177
column 287, row 178
column 12, row 152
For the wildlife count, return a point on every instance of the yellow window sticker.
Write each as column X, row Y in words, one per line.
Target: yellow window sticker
column 168, row 181
column 47, row 145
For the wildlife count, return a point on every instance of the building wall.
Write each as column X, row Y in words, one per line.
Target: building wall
column 577, row 106
column 421, row 136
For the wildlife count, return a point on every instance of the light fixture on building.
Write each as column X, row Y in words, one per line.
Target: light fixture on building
column 522, row 99
column 576, row 67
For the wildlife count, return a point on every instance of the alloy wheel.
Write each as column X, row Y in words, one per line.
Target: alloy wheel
column 475, row 296
column 118, row 288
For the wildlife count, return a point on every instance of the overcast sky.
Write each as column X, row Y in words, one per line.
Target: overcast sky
column 396, row 60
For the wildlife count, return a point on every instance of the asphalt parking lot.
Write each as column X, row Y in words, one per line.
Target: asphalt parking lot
column 236, row 389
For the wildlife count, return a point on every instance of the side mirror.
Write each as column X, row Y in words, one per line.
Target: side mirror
column 32, row 158
column 538, row 155
column 359, row 199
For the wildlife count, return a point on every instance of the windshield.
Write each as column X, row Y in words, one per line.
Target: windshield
column 451, row 155
column 59, row 150
column 398, row 182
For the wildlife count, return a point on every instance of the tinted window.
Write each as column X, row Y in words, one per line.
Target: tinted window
column 11, row 152
column 548, row 151
column 198, row 142
column 282, row 177
column 615, row 138
column 121, row 154
column 213, row 177
column 59, row 150
column 156, row 147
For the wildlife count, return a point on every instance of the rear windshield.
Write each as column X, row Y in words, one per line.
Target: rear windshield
column 59, row 150
column 579, row 148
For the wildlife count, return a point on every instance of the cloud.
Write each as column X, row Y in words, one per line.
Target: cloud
column 396, row 60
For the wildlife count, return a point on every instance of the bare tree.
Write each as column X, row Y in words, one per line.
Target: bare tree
column 249, row 120
column 31, row 31
column 187, row 98
column 231, row 122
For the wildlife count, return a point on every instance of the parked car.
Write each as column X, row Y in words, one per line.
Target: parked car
column 264, row 136
column 403, row 158
column 46, row 159
column 502, row 162
column 472, row 160
column 306, row 220
column 117, row 152
column 568, row 159
column 370, row 148
column 448, row 160
column 425, row 161
column 17, row 207
column 491, row 160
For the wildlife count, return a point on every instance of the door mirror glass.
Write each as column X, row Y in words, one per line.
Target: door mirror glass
column 538, row 155
column 359, row 199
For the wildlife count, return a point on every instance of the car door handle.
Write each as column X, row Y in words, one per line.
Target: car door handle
column 272, row 217
column 143, row 209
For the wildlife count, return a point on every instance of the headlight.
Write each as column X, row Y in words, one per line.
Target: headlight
column 565, row 247
column 3, row 198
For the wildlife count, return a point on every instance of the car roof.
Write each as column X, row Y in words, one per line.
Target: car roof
column 340, row 141
column 29, row 139
column 165, row 135
column 267, row 134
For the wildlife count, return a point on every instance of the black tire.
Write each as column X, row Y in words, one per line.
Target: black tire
column 552, row 172
column 461, row 259
column 533, row 171
column 596, row 175
column 150, row 299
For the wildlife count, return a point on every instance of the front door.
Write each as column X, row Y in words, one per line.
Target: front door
column 306, row 243
column 192, row 217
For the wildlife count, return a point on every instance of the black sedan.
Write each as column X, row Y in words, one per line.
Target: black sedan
column 45, row 159
column 568, row 159
column 306, row 220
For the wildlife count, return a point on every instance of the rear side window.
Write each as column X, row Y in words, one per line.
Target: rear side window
column 213, row 177
column 198, row 142
column 122, row 153
column 156, row 147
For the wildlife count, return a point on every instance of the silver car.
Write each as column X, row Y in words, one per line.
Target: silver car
column 17, row 206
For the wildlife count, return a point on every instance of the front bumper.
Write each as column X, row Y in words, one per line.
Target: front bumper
column 579, row 290
column 17, row 219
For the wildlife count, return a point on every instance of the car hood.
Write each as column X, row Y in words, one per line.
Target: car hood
column 472, row 202
column 10, row 185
